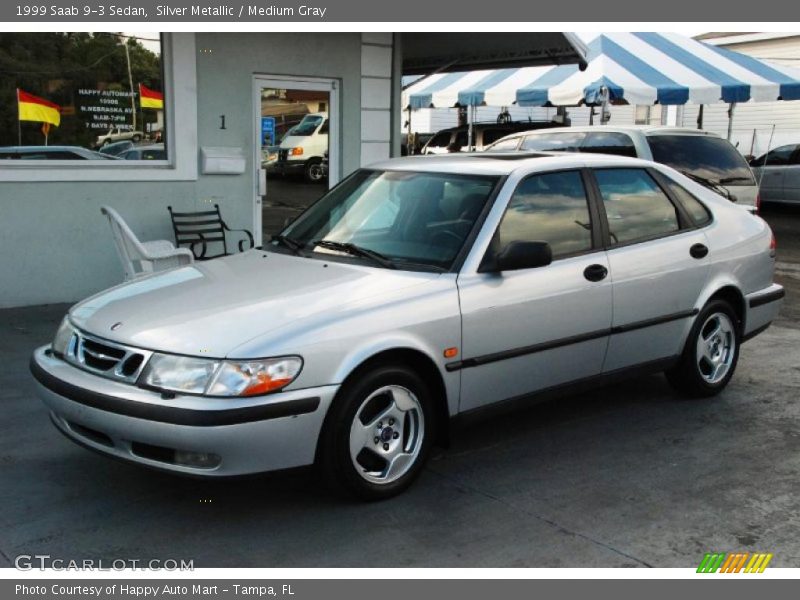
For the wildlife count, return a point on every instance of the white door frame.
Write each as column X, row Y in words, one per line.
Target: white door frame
column 283, row 82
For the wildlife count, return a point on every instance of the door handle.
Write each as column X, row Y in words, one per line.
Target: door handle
column 595, row 272
column 698, row 251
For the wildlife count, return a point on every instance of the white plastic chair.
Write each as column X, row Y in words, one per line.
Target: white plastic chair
column 142, row 258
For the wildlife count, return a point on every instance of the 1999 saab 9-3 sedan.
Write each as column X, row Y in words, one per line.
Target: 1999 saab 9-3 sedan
column 415, row 290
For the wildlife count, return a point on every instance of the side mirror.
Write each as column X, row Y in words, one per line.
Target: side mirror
column 519, row 255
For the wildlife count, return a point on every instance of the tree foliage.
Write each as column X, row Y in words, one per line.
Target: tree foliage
column 55, row 66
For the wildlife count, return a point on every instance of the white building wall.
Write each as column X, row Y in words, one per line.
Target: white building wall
column 753, row 121
column 376, row 96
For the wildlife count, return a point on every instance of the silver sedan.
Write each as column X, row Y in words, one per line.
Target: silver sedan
column 415, row 290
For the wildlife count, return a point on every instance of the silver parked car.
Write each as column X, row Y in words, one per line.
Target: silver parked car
column 700, row 155
column 778, row 174
column 416, row 289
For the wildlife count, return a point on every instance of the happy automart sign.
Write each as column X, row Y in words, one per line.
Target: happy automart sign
column 103, row 109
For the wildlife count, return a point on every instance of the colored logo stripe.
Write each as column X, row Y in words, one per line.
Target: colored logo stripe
column 734, row 562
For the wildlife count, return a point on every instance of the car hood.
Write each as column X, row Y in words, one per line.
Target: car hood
column 210, row 308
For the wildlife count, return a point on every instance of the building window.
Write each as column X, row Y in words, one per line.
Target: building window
column 82, row 96
column 642, row 114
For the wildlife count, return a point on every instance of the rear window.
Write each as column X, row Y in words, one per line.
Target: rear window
column 709, row 157
column 561, row 142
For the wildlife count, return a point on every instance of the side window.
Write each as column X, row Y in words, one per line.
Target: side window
column 492, row 135
column 549, row 208
column 609, row 142
column 325, row 128
column 462, row 138
column 776, row 158
column 636, row 207
column 440, row 140
column 693, row 206
column 505, row 145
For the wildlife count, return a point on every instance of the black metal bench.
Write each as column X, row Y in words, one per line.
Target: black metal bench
column 199, row 229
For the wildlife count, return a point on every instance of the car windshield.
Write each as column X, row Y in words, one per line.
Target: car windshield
column 411, row 220
column 703, row 156
column 307, row 126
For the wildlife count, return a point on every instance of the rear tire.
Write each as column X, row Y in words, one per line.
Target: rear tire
column 378, row 433
column 711, row 353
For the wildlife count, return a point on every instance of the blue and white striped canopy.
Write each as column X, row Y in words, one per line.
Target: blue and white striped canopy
column 638, row 68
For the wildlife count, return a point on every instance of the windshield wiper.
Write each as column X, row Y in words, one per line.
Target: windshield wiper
column 360, row 251
column 709, row 183
column 290, row 243
column 725, row 180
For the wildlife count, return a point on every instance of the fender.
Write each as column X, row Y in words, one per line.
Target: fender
column 401, row 341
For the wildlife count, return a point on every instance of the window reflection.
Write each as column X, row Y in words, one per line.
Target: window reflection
column 549, row 208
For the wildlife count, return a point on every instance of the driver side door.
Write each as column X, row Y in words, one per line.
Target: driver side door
column 531, row 329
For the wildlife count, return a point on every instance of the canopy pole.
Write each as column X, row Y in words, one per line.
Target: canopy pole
column 470, row 122
column 730, row 120
column 409, row 146
column 700, row 117
column 605, row 113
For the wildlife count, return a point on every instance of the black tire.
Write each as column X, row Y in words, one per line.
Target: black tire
column 688, row 376
column 136, row 139
column 105, row 143
column 313, row 170
column 334, row 455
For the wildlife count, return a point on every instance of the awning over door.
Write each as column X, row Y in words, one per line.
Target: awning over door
column 440, row 52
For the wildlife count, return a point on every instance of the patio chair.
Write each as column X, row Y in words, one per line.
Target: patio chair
column 142, row 258
column 199, row 229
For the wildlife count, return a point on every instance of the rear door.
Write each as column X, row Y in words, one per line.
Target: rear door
column 658, row 259
column 791, row 184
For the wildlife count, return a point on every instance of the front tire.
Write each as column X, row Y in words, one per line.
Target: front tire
column 313, row 170
column 711, row 353
column 136, row 139
column 379, row 433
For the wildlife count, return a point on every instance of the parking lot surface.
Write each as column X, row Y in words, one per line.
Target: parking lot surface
column 624, row 475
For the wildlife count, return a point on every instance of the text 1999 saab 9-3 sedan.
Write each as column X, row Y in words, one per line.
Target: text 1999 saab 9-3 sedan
column 416, row 289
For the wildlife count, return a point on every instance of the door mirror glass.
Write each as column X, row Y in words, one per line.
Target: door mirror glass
column 521, row 255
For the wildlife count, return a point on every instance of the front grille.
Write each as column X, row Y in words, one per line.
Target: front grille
column 109, row 359
column 283, row 155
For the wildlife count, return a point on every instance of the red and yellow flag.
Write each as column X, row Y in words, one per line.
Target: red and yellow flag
column 33, row 108
column 150, row 98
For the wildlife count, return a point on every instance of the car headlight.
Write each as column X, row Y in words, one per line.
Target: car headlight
column 63, row 340
column 220, row 377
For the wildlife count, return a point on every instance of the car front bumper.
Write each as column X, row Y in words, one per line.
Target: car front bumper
column 237, row 436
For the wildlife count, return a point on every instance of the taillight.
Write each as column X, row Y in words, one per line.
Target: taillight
column 773, row 245
column 758, row 208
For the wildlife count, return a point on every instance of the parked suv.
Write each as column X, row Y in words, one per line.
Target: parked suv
column 700, row 155
column 415, row 290
column 778, row 174
column 457, row 138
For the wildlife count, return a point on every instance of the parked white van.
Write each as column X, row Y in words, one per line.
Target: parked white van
column 302, row 149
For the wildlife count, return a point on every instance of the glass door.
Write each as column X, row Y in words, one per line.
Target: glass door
column 296, row 124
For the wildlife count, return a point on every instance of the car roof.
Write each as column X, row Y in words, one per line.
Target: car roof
column 501, row 163
column 643, row 129
column 495, row 125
